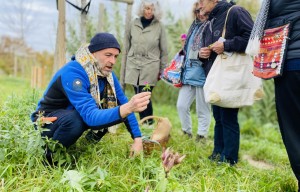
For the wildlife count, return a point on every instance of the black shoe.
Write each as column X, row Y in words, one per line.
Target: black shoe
column 223, row 159
column 49, row 158
column 199, row 138
column 188, row 134
column 95, row 137
column 214, row 157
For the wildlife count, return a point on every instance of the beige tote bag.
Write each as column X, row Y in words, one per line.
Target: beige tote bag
column 230, row 82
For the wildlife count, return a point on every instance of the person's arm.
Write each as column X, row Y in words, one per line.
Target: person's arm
column 163, row 49
column 130, row 121
column 242, row 23
column 76, row 84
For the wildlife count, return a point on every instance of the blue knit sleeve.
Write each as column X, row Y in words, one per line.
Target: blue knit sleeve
column 76, row 84
column 131, row 121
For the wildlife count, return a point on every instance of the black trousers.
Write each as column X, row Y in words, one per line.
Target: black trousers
column 149, row 110
column 287, row 97
column 227, row 133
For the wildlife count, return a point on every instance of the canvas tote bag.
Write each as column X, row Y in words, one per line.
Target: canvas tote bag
column 230, row 82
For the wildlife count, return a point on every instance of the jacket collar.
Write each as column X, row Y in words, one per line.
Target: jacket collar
column 220, row 8
column 137, row 22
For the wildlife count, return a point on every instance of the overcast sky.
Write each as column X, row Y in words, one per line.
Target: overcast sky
column 42, row 15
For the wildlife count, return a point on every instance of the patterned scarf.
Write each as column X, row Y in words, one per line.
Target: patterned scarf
column 258, row 29
column 92, row 68
column 197, row 41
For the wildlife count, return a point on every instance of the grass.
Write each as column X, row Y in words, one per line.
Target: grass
column 12, row 86
column 106, row 167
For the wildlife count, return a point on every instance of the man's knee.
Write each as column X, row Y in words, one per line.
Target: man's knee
column 75, row 123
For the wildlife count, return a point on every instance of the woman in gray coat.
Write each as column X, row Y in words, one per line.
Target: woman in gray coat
column 145, row 50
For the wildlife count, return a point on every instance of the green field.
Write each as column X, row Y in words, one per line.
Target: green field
column 105, row 166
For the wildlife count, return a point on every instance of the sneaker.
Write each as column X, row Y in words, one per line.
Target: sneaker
column 199, row 138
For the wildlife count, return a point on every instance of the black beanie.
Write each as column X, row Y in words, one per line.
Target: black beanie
column 102, row 41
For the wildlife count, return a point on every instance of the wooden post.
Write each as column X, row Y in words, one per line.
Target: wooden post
column 15, row 65
column 60, row 47
column 40, row 77
column 32, row 77
column 100, row 27
column 127, row 27
column 83, row 23
column 34, row 74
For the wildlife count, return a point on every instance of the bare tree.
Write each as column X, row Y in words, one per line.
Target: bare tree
column 19, row 19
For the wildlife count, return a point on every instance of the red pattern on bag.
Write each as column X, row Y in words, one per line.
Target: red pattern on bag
column 269, row 62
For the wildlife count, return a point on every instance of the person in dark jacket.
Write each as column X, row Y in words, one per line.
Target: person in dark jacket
column 275, row 13
column 238, row 29
column 85, row 94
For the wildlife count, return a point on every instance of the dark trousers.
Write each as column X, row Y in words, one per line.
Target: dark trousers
column 149, row 110
column 287, row 97
column 68, row 127
column 227, row 133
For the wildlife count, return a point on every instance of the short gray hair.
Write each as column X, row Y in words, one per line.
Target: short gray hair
column 157, row 9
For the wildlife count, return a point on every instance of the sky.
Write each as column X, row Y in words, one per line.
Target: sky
column 40, row 18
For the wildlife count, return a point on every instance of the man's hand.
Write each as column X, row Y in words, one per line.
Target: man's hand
column 137, row 147
column 137, row 103
column 218, row 47
column 204, row 52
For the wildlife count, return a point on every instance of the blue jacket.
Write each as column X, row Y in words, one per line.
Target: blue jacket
column 63, row 93
column 193, row 73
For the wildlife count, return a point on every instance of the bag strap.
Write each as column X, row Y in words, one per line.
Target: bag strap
column 224, row 28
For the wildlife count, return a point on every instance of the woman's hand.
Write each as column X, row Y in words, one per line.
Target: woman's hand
column 218, row 47
column 204, row 53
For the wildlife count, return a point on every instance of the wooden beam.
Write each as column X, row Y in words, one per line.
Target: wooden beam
column 124, row 1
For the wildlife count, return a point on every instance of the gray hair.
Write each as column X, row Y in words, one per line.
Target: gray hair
column 157, row 9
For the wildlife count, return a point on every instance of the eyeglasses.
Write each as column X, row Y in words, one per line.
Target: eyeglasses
column 197, row 11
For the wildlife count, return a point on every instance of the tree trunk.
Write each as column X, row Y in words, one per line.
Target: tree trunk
column 60, row 47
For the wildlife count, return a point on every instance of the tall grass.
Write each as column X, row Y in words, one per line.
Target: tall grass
column 105, row 166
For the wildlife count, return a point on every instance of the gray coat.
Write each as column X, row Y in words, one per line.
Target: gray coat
column 146, row 53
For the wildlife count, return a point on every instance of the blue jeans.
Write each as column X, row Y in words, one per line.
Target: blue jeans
column 227, row 133
column 68, row 127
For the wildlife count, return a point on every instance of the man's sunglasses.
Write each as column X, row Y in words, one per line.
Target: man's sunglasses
column 197, row 11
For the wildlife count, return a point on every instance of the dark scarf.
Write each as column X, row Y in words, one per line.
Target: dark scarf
column 146, row 22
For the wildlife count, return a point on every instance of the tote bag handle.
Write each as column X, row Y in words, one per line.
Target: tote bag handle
column 224, row 28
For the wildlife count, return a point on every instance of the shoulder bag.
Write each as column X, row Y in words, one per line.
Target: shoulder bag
column 272, row 51
column 230, row 82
